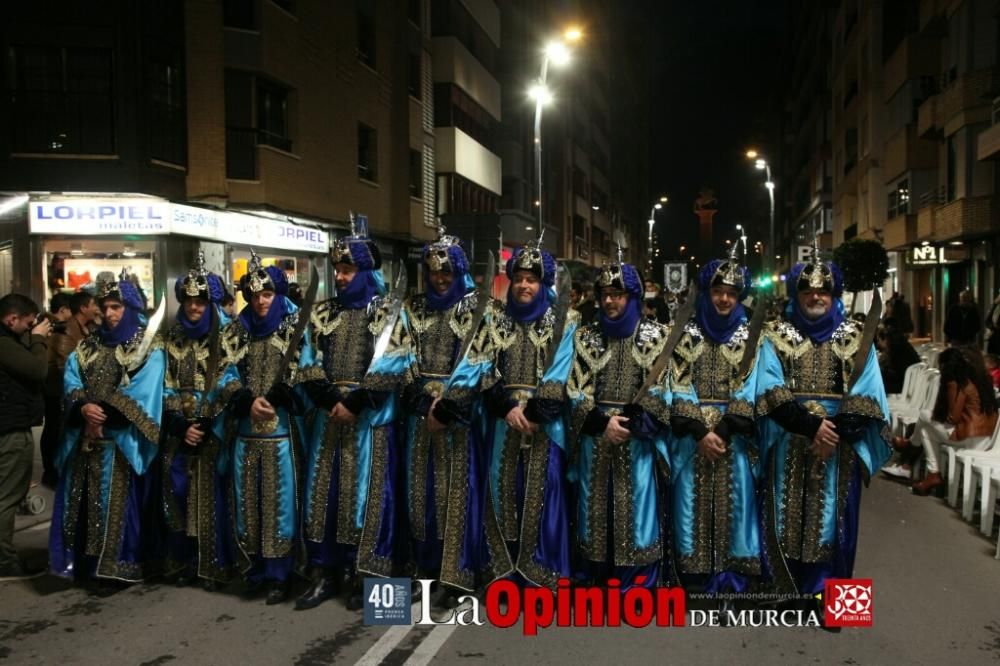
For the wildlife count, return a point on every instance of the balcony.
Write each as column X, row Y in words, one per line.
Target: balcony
column 900, row 232
column 905, row 151
column 965, row 217
column 915, row 57
column 457, row 152
column 454, row 64
column 928, row 119
column 988, row 141
column 967, row 100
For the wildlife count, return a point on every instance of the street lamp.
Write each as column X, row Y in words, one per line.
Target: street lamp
column 762, row 165
column 652, row 220
column 557, row 53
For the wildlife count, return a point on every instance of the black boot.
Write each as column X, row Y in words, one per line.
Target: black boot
column 354, row 600
column 324, row 586
column 277, row 592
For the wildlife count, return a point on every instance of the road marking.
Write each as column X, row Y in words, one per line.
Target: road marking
column 428, row 648
column 388, row 641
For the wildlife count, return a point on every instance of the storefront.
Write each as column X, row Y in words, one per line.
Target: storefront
column 51, row 244
column 936, row 274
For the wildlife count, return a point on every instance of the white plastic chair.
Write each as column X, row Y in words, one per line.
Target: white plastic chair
column 960, row 462
column 903, row 398
column 988, row 473
column 908, row 416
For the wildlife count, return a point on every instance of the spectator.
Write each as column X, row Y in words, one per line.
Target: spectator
column 992, row 363
column 964, row 416
column 586, row 305
column 963, row 323
column 902, row 316
column 229, row 305
column 295, row 294
column 993, row 328
column 652, row 298
column 896, row 354
column 60, row 313
column 23, row 368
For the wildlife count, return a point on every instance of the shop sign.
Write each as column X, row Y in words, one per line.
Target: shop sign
column 935, row 255
column 156, row 217
column 86, row 217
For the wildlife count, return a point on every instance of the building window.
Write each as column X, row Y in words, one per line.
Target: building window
column 415, row 79
column 272, row 116
column 167, row 121
column 366, row 32
column 416, row 174
column 899, row 199
column 239, row 14
column 367, row 153
column 61, row 100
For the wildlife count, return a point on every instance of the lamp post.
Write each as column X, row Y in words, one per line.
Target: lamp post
column 652, row 221
column 555, row 53
column 761, row 164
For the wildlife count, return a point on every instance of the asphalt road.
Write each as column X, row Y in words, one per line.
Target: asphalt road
column 936, row 600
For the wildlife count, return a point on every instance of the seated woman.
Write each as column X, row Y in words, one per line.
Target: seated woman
column 896, row 354
column 964, row 416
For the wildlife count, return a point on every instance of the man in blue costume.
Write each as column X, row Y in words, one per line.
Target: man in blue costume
column 820, row 435
column 103, row 522
column 446, row 462
column 621, row 458
column 196, row 471
column 267, row 451
column 716, row 530
column 349, row 507
column 527, row 437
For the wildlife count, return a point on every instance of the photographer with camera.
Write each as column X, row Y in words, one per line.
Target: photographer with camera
column 23, row 369
column 60, row 312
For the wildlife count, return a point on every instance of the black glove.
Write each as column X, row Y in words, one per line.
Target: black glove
column 797, row 420
column 174, row 424
column 851, row 427
column 732, row 425
column 323, row 393
column 282, row 395
column 115, row 419
column 497, row 402
column 596, row 422
column 542, row 410
column 361, row 399
column 74, row 415
column 641, row 423
column 448, row 411
column 415, row 401
column 240, row 403
column 683, row 426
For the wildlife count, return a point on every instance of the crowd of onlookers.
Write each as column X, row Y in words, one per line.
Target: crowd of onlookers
column 964, row 414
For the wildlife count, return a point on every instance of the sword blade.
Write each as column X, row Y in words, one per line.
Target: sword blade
column 867, row 337
column 148, row 335
column 483, row 300
column 663, row 360
column 393, row 306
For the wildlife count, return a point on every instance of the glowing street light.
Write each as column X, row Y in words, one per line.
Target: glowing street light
column 556, row 52
column 761, row 164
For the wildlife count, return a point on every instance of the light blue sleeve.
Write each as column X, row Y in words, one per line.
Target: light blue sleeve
column 867, row 398
column 558, row 375
column 140, row 440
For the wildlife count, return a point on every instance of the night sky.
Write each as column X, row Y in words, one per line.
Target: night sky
column 716, row 83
